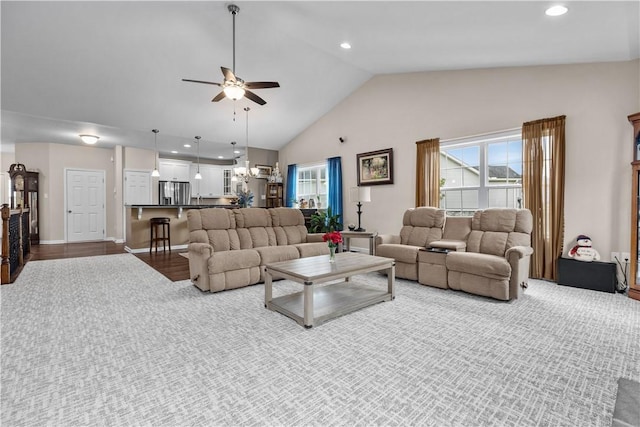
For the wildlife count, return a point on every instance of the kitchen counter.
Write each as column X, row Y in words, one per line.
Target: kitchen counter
column 180, row 208
column 137, row 224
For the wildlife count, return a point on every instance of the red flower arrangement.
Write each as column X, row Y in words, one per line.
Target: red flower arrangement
column 332, row 237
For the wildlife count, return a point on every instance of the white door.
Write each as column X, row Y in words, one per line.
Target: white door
column 137, row 188
column 85, row 205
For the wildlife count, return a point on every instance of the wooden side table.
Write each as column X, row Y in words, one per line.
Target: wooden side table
column 348, row 235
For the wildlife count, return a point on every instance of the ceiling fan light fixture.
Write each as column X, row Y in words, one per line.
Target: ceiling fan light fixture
column 89, row 139
column 234, row 92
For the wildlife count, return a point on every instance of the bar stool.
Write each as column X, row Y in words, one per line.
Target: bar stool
column 154, row 224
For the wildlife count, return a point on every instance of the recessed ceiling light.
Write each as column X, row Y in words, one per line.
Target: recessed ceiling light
column 556, row 10
column 345, row 45
column 221, row 157
column 89, row 139
column 187, row 145
column 174, row 152
column 236, row 151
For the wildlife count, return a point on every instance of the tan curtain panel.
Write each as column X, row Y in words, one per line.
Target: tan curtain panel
column 428, row 173
column 543, row 144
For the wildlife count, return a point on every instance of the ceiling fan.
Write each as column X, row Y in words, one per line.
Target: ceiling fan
column 234, row 87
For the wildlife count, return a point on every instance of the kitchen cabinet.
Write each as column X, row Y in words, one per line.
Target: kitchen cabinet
column 212, row 183
column 174, row 170
column 227, row 184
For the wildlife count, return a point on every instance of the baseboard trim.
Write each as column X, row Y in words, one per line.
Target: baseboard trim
column 52, row 242
column 140, row 250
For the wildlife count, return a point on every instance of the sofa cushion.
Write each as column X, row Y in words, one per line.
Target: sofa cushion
column 251, row 217
column 399, row 252
column 457, row 228
column 281, row 217
column 421, row 226
column 478, row 264
column 497, row 229
column 312, row 249
column 213, row 218
column 255, row 237
column 223, row 240
column 254, row 228
column 271, row 254
column 288, row 226
column 233, row 260
column 215, row 226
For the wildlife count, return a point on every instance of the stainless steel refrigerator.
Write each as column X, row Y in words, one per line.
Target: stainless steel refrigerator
column 174, row 193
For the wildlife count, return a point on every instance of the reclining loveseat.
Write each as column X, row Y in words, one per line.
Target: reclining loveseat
column 487, row 254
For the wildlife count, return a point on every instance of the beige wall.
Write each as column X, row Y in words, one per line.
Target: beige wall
column 51, row 160
column 6, row 160
column 395, row 111
column 259, row 156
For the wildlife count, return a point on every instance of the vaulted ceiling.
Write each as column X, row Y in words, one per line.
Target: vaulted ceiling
column 114, row 69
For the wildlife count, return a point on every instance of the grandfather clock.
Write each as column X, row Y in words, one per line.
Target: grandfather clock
column 24, row 194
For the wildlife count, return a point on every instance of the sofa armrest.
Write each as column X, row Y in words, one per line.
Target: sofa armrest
column 387, row 238
column 201, row 248
column 452, row 245
column 314, row 237
column 199, row 254
column 519, row 257
column 518, row 252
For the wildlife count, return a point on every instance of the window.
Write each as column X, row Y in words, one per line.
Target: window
column 481, row 172
column 312, row 184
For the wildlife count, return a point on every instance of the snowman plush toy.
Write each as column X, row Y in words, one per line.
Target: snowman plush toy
column 583, row 250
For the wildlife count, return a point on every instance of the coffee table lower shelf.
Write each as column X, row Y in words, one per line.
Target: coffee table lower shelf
column 329, row 301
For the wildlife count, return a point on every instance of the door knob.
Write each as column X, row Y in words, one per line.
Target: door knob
column 68, row 211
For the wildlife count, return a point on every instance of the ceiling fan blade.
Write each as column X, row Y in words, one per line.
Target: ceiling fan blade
column 255, row 98
column 201, row 81
column 218, row 97
column 261, row 85
column 228, row 74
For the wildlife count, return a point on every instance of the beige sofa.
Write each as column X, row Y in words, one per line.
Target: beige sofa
column 487, row 254
column 229, row 247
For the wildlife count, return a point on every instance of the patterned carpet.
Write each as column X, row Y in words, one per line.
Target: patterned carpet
column 109, row 341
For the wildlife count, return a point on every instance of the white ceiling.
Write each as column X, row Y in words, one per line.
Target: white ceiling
column 114, row 69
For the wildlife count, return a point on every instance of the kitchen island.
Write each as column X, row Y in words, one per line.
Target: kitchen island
column 137, row 224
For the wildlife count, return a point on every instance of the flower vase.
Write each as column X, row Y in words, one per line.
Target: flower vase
column 332, row 253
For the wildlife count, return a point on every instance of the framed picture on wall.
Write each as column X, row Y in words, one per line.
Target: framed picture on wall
column 264, row 171
column 375, row 167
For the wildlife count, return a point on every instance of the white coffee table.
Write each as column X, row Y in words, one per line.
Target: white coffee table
column 317, row 304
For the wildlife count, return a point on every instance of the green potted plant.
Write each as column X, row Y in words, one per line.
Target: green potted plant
column 325, row 221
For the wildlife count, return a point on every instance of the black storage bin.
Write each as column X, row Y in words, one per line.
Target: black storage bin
column 595, row 275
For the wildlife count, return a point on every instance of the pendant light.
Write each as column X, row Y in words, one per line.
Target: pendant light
column 198, row 176
column 155, row 172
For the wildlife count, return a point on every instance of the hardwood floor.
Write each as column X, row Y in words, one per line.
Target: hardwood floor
column 172, row 265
